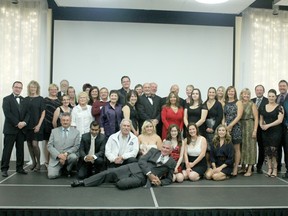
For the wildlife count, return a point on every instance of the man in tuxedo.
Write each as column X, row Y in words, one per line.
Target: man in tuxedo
column 154, row 168
column 281, row 98
column 64, row 84
column 16, row 118
column 91, row 152
column 122, row 147
column 148, row 107
column 260, row 102
column 126, row 82
column 63, row 146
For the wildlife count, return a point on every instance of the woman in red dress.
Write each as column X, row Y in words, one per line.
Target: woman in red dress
column 174, row 135
column 172, row 113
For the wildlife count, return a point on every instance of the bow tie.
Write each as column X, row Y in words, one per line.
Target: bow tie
column 17, row 96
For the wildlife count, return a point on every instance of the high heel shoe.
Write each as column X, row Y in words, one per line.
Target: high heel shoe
column 269, row 172
column 37, row 167
column 32, row 167
column 274, row 173
column 248, row 174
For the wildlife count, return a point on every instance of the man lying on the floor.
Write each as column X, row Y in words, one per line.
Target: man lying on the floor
column 155, row 168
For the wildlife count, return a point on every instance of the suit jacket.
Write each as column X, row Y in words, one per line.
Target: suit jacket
column 148, row 111
column 122, row 96
column 14, row 113
column 148, row 163
column 85, row 145
column 57, row 144
column 285, row 99
column 262, row 104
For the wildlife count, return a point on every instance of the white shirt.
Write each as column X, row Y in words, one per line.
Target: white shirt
column 81, row 118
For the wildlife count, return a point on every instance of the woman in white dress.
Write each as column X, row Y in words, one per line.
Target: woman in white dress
column 149, row 138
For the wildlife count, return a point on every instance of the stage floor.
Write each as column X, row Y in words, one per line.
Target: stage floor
column 36, row 191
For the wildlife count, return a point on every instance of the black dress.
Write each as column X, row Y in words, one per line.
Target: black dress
column 194, row 115
column 51, row 105
column 214, row 118
column 271, row 136
column 133, row 116
column 36, row 106
column 223, row 155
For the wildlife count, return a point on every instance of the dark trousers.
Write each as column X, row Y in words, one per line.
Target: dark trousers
column 261, row 151
column 87, row 169
column 9, row 140
column 284, row 145
column 125, row 177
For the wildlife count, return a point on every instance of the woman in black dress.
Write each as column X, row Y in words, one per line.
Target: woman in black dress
column 221, row 155
column 196, row 111
column 214, row 117
column 51, row 103
column 271, row 117
column 130, row 112
column 36, row 107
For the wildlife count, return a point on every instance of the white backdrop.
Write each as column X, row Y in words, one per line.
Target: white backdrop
column 102, row 52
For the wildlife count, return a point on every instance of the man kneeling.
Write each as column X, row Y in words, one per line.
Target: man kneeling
column 156, row 165
column 63, row 146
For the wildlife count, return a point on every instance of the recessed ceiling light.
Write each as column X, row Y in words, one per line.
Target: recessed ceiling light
column 211, row 1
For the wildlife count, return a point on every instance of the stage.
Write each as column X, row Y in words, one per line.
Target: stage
column 35, row 194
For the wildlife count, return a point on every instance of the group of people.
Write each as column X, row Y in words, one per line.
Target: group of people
column 129, row 136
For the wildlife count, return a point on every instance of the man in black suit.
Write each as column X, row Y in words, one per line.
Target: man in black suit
column 126, row 82
column 64, row 84
column 92, row 149
column 16, row 119
column 148, row 107
column 260, row 102
column 281, row 98
column 155, row 168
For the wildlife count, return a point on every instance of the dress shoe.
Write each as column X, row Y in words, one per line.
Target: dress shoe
column 260, row 171
column 4, row 174
column 22, row 172
column 77, row 183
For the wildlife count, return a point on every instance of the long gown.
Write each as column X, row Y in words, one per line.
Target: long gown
column 248, row 147
column 214, row 118
column 271, row 136
column 230, row 112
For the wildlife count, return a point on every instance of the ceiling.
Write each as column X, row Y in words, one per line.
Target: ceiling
column 230, row 7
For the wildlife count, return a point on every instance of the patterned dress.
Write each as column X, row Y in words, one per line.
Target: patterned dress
column 230, row 113
column 248, row 147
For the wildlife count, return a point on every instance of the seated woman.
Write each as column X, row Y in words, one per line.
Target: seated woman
column 195, row 147
column 148, row 139
column 174, row 135
column 221, row 155
column 60, row 110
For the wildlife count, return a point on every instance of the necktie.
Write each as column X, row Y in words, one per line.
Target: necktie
column 65, row 133
column 258, row 101
column 281, row 99
column 160, row 161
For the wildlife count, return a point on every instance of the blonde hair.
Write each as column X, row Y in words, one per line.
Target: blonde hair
column 53, row 85
column 83, row 94
column 34, row 83
column 143, row 128
column 245, row 90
